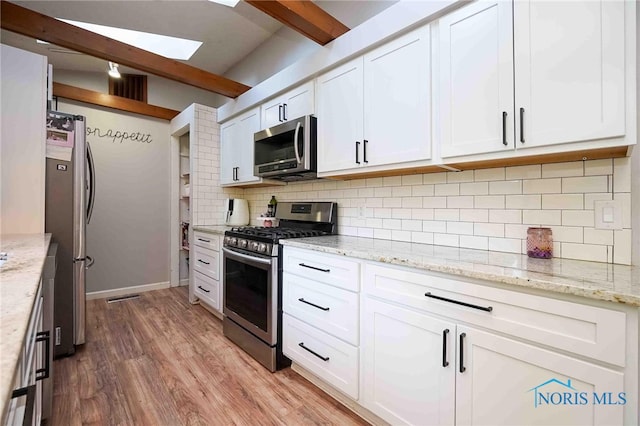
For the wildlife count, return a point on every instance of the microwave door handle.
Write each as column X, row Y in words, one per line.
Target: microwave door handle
column 295, row 143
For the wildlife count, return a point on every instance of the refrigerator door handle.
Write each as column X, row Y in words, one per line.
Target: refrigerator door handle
column 90, row 262
column 92, row 183
column 79, row 305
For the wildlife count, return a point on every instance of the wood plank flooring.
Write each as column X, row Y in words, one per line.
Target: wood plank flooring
column 159, row 360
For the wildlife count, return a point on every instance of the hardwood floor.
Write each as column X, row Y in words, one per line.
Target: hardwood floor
column 159, row 360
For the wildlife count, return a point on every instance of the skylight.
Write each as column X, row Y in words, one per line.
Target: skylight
column 169, row 47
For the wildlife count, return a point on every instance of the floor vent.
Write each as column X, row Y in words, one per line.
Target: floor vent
column 123, row 298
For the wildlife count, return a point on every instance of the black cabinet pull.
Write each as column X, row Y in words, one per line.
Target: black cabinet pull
column 284, row 112
column 457, row 302
column 504, row 127
column 313, row 304
column 204, row 289
column 324, row 358
column 43, row 373
column 357, row 149
column 364, row 151
column 202, row 261
column 280, row 113
column 462, row 367
column 314, row 267
column 445, row 332
column 203, row 240
column 522, row 125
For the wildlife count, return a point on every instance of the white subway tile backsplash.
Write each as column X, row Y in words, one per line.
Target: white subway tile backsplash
column 412, row 180
column 586, row 184
column 392, row 202
column 434, row 226
column 505, row 187
column 460, row 202
column 574, row 168
column 422, row 190
column 365, row 232
column 400, row 235
column 422, row 237
column 433, row 178
column 411, row 202
column 568, row 234
column 392, row 181
column 446, row 240
column 460, row 228
column 366, row 192
column 622, row 174
column 392, row 223
column 383, row 234
column 373, row 182
column 383, row 192
column 373, row 222
column 434, row 202
column 447, row 189
column 381, row 212
column 505, row 216
column 598, row 167
column 480, row 243
column 509, row 245
column 523, row 172
column 625, row 200
column 422, row 214
column 401, row 191
column 578, row 218
column 598, row 236
column 475, row 215
column 589, row 199
column 489, row 229
column 523, row 201
column 489, row 201
column 622, row 248
column 457, row 177
column 542, row 186
column 481, row 175
column 516, row 231
column 594, row 253
column 562, row 201
column 475, row 188
column 411, row 225
column 401, row 213
column 446, row 214
column 542, row 217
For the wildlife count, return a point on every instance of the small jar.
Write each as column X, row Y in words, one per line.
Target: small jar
column 540, row 243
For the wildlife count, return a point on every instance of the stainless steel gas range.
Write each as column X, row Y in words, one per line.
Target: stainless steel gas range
column 252, row 271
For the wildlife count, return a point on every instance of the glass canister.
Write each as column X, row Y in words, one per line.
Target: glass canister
column 540, row 243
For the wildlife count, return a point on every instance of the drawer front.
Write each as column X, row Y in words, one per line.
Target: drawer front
column 327, row 308
column 326, row 268
column 569, row 326
column 206, row 262
column 207, row 289
column 331, row 359
column 202, row 239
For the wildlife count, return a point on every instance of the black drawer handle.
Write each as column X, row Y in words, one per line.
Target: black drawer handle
column 522, row 125
column 313, row 304
column 324, row 358
column 445, row 363
column 202, row 261
column 203, row 240
column 357, row 148
column 204, row 289
column 462, row 367
column 504, row 127
column 457, row 302
column 43, row 373
column 313, row 267
column 364, row 151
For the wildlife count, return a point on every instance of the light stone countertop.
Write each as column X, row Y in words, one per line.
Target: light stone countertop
column 601, row 281
column 212, row 229
column 19, row 281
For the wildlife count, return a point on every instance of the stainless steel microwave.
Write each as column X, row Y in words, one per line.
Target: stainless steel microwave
column 287, row 151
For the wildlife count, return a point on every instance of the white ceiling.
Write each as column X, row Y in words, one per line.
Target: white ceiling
column 228, row 34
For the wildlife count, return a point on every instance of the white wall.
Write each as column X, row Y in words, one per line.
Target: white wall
column 128, row 235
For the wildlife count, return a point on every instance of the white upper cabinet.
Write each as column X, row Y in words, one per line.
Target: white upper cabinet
column 476, row 79
column 375, row 110
column 340, row 97
column 531, row 73
column 293, row 104
column 397, row 113
column 236, row 149
column 569, row 64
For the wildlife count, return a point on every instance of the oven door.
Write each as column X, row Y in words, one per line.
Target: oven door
column 251, row 293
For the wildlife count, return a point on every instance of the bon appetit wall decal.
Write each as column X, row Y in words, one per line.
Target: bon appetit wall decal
column 117, row 135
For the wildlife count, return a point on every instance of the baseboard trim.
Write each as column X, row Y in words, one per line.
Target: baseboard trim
column 339, row 396
column 183, row 282
column 127, row 290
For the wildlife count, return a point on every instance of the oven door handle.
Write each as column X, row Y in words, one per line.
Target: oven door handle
column 246, row 257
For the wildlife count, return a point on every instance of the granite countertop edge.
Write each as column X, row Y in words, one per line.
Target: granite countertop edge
column 512, row 276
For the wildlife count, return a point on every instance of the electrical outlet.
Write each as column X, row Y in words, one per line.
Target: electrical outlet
column 608, row 214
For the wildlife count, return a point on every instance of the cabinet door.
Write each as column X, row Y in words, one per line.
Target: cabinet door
column 506, row 382
column 476, row 79
column 227, row 152
column 570, row 63
column 340, row 117
column 248, row 124
column 397, row 113
column 408, row 365
column 272, row 113
column 298, row 102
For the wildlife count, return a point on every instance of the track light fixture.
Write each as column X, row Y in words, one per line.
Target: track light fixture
column 113, row 70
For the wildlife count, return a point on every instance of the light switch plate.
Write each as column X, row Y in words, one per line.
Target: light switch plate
column 608, row 214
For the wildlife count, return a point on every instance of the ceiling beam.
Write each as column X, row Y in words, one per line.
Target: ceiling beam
column 24, row 21
column 116, row 102
column 303, row 16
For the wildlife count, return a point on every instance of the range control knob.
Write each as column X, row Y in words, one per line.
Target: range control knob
column 262, row 248
column 233, row 241
column 242, row 243
column 254, row 246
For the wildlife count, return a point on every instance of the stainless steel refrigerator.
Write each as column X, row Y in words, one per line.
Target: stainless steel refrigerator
column 70, row 195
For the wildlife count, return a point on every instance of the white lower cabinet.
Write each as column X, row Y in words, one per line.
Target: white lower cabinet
column 408, row 365
column 206, row 280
